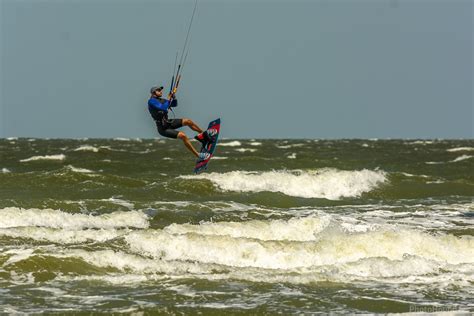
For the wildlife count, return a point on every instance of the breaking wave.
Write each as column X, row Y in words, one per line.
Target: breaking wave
column 243, row 150
column 460, row 149
column 461, row 158
column 87, row 148
column 295, row 229
column 47, row 157
column 299, row 250
column 62, row 236
column 11, row 217
column 330, row 184
column 79, row 170
column 331, row 248
column 234, row 143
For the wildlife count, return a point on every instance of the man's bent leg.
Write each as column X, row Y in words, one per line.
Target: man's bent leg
column 192, row 125
column 187, row 143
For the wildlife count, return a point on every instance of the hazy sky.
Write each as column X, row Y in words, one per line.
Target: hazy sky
column 269, row 69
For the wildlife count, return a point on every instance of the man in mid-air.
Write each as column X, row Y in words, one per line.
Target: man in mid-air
column 158, row 108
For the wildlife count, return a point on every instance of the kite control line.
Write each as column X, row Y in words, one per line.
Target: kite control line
column 184, row 54
column 174, row 68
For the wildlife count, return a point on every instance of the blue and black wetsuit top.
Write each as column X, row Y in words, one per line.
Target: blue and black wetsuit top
column 158, row 108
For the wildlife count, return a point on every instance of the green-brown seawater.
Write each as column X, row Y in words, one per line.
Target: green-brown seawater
column 274, row 226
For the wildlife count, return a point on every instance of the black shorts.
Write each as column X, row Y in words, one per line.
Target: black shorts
column 168, row 128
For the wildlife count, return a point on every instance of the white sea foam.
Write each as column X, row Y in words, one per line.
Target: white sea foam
column 292, row 156
column 332, row 248
column 126, row 262
column 243, row 150
column 18, row 217
column 5, row 170
column 296, row 229
column 434, row 162
column 435, row 182
column 79, row 170
column 414, row 175
column 420, row 142
column 320, row 247
column 461, row 158
column 115, row 279
column 120, row 202
column 214, row 206
column 62, row 236
column 47, row 157
column 17, row 255
column 299, row 250
column 326, row 183
column 219, row 157
column 87, row 148
column 422, row 217
column 290, row 146
column 234, row 143
column 255, row 144
column 460, row 149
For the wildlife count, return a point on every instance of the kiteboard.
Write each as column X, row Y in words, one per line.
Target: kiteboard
column 213, row 129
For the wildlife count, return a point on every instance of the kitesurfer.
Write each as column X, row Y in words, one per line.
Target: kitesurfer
column 158, row 108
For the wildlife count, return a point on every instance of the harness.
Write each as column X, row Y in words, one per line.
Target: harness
column 160, row 112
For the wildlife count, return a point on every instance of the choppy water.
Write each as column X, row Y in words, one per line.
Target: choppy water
column 274, row 226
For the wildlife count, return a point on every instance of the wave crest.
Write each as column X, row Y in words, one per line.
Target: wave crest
column 59, row 157
column 330, row 184
column 18, row 217
column 332, row 246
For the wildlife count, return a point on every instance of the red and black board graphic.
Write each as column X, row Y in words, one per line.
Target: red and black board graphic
column 210, row 147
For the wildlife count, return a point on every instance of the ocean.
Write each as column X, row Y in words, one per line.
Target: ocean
column 272, row 227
